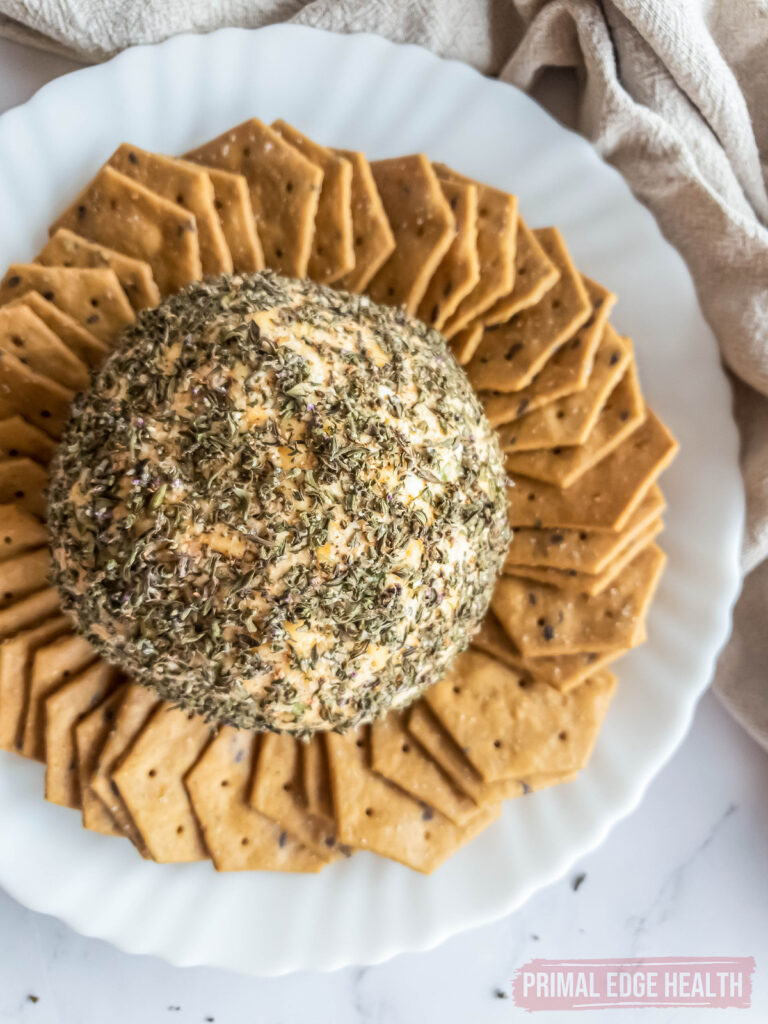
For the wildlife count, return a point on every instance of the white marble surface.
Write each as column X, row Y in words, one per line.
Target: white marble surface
column 685, row 875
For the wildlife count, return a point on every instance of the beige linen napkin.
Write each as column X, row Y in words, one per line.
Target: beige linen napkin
column 674, row 93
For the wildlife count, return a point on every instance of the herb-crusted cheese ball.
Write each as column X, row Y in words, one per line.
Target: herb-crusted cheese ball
column 279, row 505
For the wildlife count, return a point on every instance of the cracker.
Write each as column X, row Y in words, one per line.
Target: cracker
column 459, row 270
column 19, row 531
column 238, row 837
column 23, row 483
column 535, row 274
column 422, row 224
column 563, row 671
column 20, row 439
column 570, row 420
column 24, row 335
column 333, row 253
column 509, row 727
column 372, row 236
column 284, row 188
column 92, row 297
column 23, row 574
column 606, row 496
column 276, row 793
column 375, row 815
column 496, row 247
column 622, row 414
column 583, row 551
column 464, row 344
column 186, row 185
column 42, row 401
column 150, row 780
column 136, row 707
column 233, row 205
column 403, row 762
column 65, row 248
column 315, row 778
column 63, row 709
column 85, row 345
column 52, row 666
column 511, row 354
column 30, row 611
column 122, row 214
column 544, row 621
column 16, row 654
column 90, row 735
column 567, row 371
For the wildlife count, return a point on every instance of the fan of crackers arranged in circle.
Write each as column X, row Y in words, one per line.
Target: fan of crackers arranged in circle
column 520, row 710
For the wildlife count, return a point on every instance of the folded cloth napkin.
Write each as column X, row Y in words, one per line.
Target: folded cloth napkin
column 674, row 93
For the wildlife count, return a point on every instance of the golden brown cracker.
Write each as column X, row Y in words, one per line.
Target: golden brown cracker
column 333, row 252
column 23, row 482
column 23, row 574
column 232, row 200
column 422, row 224
column 122, row 214
column 42, row 401
column 238, row 837
column 21, row 439
column 91, row 733
column 150, row 780
column 16, row 654
column 459, row 270
column 19, row 530
column 511, row 354
column 85, row 345
column 315, row 778
column 25, row 336
column 535, row 274
column 375, row 815
column 284, row 188
column 28, row 612
column 464, row 344
column 372, row 236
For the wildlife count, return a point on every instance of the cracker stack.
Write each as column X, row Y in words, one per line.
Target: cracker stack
column 521, row 709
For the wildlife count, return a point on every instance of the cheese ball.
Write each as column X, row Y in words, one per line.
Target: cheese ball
column 278, row 505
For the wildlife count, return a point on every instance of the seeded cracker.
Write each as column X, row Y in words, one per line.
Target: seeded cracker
column 19, row 438
column 508, row 727
column 90, row 735
column 459, row 270
column 63, row 709
column 42, row 401
column 239, row 838
column 333, row 254
column 605, row 497
column 372, row 236
column 232, row 200
column 284, row 187
column 52, row 665
column 150, row 780
column 375, row 815
column 25, row 336
column 28, row 612
column 16, row 654
column 93, row 297
column 464, row 344
column 120, row 213
column 19, row 531
column 511, row 354
column 422, row 223
column 535, row 274
column 85, row 345
column 24, row 483
column 496, row 245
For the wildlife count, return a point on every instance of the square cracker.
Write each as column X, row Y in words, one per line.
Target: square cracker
column 42, row 401
column 541, row 620
column 569, row 420
column 28, row 612
column 150, row 780
column 186, row 185
column 566, row 372
column 90, row 735
column 459, row 270
column 24, row 483
column 563, row 671
column 496, row 245
column 93, row 297
column 464, row 344
column 19, row 531
column 23, row 334
column 404, row 763
column 18, row 438
column 372, row 236
column 509, row 727
column 238, row 837
column 66, row 249
column 52, row 665
column 16, row 654
column 605, row 497
column 315, row 778
column 583, row 551
column 422, row 224
column 511, row 354
column 23, row 574
column 375, row 815
column 63, row 709
column 333, row 253
column 535, row 274
column 122, row 214
column 84, row 344
column 233, row 205
column 284, row 188
column 622, row 414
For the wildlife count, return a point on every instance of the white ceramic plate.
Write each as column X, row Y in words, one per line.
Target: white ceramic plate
column 364, row 93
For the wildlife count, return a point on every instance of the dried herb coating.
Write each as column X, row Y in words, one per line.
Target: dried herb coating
column 279, row 505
